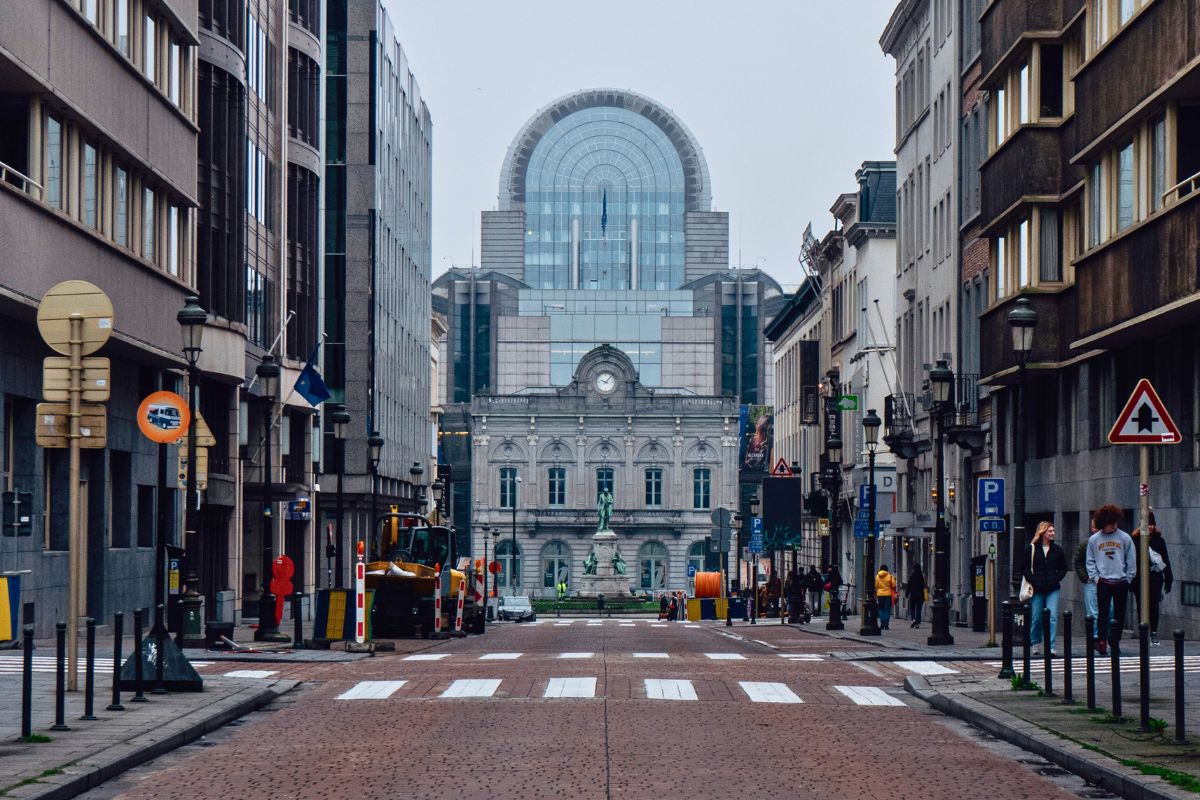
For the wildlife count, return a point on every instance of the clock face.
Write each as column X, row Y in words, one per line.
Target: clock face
column 606, row 382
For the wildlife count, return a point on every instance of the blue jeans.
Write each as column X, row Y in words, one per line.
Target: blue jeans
column 1091, row 607
column 1048, row 600
column 885, row 611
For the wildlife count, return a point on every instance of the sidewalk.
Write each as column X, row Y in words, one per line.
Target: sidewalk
column 901, row 641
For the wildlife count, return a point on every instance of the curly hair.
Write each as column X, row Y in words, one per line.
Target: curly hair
column 1107, row 514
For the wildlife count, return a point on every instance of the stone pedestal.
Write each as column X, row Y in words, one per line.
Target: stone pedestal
column 606, row 581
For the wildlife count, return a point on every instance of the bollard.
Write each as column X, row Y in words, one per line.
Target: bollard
column 1006, row 640
column 160, row 631
column 728, row 618
column 60, row 686
column 752, row 611
column 1047, row 649
column 1026, row 671
column 89, row 686
column 27, row 687
column 118, row 632
column 1179, row 727
column 1089, row 639
column 1114, row 659
column 138, row 620
column 1144, row 677
column 297, row 621
column 1068, row 697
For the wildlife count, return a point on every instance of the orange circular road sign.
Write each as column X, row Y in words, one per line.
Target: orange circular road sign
column 163, row 417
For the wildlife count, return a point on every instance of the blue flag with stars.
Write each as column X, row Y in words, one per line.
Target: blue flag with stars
column 310, row 385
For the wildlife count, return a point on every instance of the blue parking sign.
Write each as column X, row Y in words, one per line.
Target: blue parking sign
column 691, row 570
column 991, row 497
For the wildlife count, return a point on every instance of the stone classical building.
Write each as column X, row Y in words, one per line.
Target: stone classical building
column 542, row 456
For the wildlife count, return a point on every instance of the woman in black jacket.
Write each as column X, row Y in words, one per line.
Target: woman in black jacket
column 915, row 589
column 1161, row 576
column 1045, row 567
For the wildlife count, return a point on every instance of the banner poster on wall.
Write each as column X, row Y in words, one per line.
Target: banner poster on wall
column 756, row 424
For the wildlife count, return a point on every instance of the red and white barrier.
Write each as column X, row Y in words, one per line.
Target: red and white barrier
column 477, row 586
column 437, row 599
column 360, row 598
column 462, row 597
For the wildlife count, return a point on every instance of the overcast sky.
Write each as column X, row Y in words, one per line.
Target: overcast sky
column 786, row 97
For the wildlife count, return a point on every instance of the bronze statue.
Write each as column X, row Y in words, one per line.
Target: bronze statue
column 604, row 507
column 618, row 563
column 589, row 564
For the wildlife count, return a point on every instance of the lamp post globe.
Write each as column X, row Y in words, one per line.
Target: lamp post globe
column 191, row 320
column 1022, row 320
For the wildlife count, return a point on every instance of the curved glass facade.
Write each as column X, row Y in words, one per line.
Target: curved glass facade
column 604, row 205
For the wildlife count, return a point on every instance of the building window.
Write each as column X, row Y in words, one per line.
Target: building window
column 148, row 223
column 696, row 558
column 701, row 487
column 1023, row 94
column 508, row 487
column 1125, row 187
column 122, row 26
column 556, row 484
column 90, row 11
column 1050, row 245
column 1158, row 162
column 1023, row 254
column 509, row 556
column 173, row 77
column 556, row 565
column 1000, row 111
column 90, row 187
column 604, row 480
column 1096, row 196
column 652, row 565
column 654, row 481
column 1001, row 267
column 149, row 59
column 173, row 240
column 1050, row 84
column 121, row 207
column 54, row 162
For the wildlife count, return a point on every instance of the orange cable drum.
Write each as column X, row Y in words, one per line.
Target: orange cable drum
column 708, row 584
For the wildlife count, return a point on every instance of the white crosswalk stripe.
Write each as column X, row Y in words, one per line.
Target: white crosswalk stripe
column 725, row 656
column 10, row 665
column 576, row 655
column 925, row 667
column 660, row 689
column 765, row 692
column 472, row 687
column 371, row 690
column 250, row 673
column 628, row 625
column 869, row 696
column 802, row 656
column 650, row 655
column 570, row 687
column 426, row 657
column 500, row 656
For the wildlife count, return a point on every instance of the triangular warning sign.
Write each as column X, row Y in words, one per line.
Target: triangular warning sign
column 1144, row 420
column 782, row 470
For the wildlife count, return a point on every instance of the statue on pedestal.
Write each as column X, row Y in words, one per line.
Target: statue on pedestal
column 618, row 563
column 589, row 564
column 604, row 508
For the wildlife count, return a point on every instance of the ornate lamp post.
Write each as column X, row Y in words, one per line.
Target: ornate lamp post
column 414, row 473
column 496, row 557
column 833, row 452
column 191, row 320
column 438, row 507
column 870, row 613
column 341, row 424
column 268, row 384
column 375, row 444
column 941, row 381
column 1022, row 319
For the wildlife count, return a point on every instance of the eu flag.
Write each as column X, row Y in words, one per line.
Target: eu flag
column 310, row 385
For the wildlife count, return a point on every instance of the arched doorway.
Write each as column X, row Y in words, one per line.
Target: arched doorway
column 556, row 567
column 508, row 580
column 652, row 566
column 695, row 558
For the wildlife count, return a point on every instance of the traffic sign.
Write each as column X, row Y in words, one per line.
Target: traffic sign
column 54, row 425
column 67, row 299
column 721, row 517
column 865, row 491
column 991, row 497
column 782, row 470
column 756, row 526
column 992, row 525
column 94, row 380
column 848, row 402
column 1144, row 420
column 201, row 467
column 862, row 515
column 861, row 528
column 163, row 417
column 691, row 570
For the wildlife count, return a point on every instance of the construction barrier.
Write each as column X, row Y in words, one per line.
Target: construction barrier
column 437, row 599
column 336, row 615
column 462, row 598
column 701, row 608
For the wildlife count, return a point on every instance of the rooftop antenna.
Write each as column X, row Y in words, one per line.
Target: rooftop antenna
column 809, row 258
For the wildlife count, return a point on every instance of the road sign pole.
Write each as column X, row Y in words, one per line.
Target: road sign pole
column 76, row 590
column 1144, row 536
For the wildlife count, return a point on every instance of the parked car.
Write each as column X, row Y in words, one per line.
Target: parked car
column 517, row 608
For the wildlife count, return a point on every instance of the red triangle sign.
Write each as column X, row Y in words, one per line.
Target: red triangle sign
column 782, row 470
column 1144, row 420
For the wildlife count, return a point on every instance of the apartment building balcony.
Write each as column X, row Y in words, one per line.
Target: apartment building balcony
column 1005, row 22
column 1144, row 282
column 1029, row 166
column 1057, row 311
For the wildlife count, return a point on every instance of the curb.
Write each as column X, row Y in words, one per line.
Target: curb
column 1107, row 774
column 116, row 759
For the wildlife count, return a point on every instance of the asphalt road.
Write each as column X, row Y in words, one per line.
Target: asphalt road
column 600, row 709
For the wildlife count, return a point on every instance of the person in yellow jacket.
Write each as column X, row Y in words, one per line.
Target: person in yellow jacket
column 885, row 595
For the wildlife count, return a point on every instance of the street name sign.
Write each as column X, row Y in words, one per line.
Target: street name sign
column 1144, row 420
column 992, row 525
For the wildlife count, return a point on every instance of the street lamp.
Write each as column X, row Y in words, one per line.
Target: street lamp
column 512, row 562
column 941, row 381
column 375, row 446
column 414, row 473
column 341, row 424
column 1022, row 319
column 496, row 558
column 191, row 320
column 268, row 385
column 870, row 613
column 751, row 595
column 833, row 454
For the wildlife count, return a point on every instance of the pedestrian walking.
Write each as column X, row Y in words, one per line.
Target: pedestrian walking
column 1111, row 565
column 673, row 609
column 816, row 585
column 662, row 605
column 1045, row 567
column 885, row 595
column 1090, row 608
column 915, row 591
column 1161, row 576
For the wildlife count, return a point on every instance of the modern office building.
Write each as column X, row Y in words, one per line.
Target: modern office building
column 377, row 262
column 97, row 182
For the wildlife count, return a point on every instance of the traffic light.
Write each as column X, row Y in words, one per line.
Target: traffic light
column 18, row 513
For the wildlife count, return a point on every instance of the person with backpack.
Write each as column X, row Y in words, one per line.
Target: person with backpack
column 1045, row 567
column 1111, row 565
column 1161, row 576
column 816, row 586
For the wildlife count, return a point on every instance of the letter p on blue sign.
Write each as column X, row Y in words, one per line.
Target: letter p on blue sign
column 991, row 497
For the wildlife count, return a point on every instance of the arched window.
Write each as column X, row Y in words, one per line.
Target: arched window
column 604, row 480
column 508, row 487
column 652, row 565
column 701, row 487
column 654, row 487
column 556, row 486
column 556, row 565
column 509, row 576
column 696, row 557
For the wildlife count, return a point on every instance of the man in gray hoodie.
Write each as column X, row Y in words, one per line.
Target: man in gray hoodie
column 1111, row 564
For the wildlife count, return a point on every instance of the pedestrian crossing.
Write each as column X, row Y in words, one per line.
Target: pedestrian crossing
column 14, row 664
column 666, row 689
column 1129, row 663
column 932, row 668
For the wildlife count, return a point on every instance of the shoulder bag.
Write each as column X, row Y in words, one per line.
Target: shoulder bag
column 1026, row 587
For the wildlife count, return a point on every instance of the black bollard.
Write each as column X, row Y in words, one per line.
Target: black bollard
column 138, row 621
column 1047, row 649
column 89, row 692
column 1179, row 727
column 27, row 687
column 728, row 615
column 753, row 612
column 118, row 632
column 1114, row 660
column 1068, row 697
column 1006, row 640
column 1089, row 639
column 297, row 620
column 60, row 678
column 1026, row 669
column 1144, row 677
column 160, row 633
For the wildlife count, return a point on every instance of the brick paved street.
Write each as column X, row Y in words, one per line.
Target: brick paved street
column 592, row 709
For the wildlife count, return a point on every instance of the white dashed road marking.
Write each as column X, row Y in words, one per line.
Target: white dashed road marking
column 371, row 690
column 650, row 655
column 476, row 687
column 427, row 657
column 500, row 656
column 250, row 673
column 657, row 689
column 725, row 656
column 869, row 696
column 576, row 655
column 570, row 687
column 762, row 692
column 925, row 667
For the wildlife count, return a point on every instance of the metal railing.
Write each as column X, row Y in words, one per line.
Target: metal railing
column 17, row 178
column 1190, row 183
